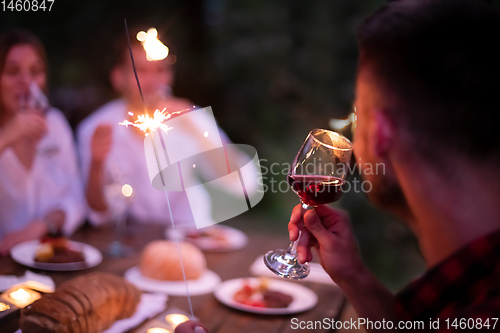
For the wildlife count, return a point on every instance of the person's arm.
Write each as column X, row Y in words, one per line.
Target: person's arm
column 94, row 194
column 329, row 231
column 67, row 211
column 35, row 230
column 100, row 146
column 51, row 222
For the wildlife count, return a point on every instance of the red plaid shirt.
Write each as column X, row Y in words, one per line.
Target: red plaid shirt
column 465, row 285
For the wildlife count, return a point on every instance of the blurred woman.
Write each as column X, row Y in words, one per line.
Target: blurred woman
column 40, row 188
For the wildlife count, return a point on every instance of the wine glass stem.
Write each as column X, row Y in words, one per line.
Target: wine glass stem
column 291, row 253
column 120, row 222
column 307, row 207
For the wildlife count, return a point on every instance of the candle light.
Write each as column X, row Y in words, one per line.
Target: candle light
column 157, row 330
column 176, row 319
column 4, row 307
column 21, row 297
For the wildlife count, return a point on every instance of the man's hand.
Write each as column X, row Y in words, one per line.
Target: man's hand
column 100, row 144
column 191, row 327
column 35, row 230
column 23, row 125
column 329, row 231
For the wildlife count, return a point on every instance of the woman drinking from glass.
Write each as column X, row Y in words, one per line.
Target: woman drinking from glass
column 40, row 187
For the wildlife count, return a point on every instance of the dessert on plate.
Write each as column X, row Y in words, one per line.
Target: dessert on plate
column 261, row 296
column 160, row 261
column 58, row 250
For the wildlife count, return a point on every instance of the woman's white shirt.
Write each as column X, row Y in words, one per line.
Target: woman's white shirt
column 52, row 183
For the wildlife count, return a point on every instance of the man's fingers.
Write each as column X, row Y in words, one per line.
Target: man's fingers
column 303, row 249
column 312, row 243
column 293, row 231
column 295, row 223
column 324, row 211
column 334, row 220
column 314, row 224
column 296, row 214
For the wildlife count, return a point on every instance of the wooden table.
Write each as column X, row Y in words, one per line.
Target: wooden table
column 217, row 317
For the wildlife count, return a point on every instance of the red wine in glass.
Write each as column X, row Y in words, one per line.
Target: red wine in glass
column 317, row 175
column 316, row 190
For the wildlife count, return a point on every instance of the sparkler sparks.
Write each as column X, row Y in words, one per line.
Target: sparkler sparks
column 149, row 124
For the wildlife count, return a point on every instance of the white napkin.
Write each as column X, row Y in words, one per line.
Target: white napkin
column 149, row 306
column 7, row 281
column 317, row 273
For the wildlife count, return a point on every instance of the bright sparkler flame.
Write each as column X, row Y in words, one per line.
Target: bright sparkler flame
column 147, row 124
column 155, row 49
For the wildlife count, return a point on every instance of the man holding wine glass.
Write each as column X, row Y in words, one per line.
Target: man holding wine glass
column 425, row 69
column 427, row 107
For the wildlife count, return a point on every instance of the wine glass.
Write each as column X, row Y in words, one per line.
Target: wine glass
column 118, row 194
column 317, row 175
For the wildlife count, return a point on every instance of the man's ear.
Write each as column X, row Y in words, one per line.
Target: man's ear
column 383, row 134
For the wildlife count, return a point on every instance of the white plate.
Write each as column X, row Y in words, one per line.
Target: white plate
column 203, row 285
column 303, row 298
column 234, row 239
column 24, row 253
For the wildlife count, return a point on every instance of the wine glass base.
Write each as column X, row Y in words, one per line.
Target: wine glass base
column 118, row 250
column 286, row 268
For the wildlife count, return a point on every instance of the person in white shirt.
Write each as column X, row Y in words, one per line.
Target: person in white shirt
column 40, row 184
column 112, row 154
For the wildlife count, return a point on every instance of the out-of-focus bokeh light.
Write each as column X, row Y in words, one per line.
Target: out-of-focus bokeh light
column 155, row 49
column 4, row 307
column 127, row 190
column 157, row 330
column 176, row 319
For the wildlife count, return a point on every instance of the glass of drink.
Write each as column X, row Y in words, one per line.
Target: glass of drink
column 119, row 195
column 317, row 175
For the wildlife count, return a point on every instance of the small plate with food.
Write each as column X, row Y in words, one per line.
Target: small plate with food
column 160, row 270
column 56, row 254
column 212, row 238
column 266, row 296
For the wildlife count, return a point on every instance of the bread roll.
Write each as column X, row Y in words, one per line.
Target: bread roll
column 160, row 261
column 88, row 304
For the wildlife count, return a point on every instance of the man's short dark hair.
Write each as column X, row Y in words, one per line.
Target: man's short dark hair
column 441, row 61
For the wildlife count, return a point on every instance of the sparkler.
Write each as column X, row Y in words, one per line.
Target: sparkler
column 150, row 126
column 147, row 124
